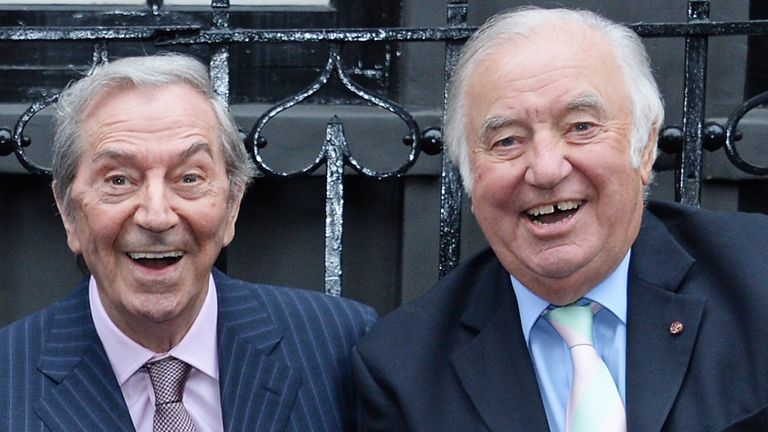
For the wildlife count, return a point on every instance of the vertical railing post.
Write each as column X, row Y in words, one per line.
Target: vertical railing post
column 688, row 184
column 335, row 150
column 450, row 181
column 220, row 58
column 219, row 71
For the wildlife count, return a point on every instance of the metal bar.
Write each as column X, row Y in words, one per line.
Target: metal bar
column 335, row 151
column 651, row 30
column 450, row 182
column 688, row 187
column 325, row 35
column 90, row 33
column 176, row 34
column 219, row 65
column 219, row 72
column 707, row 28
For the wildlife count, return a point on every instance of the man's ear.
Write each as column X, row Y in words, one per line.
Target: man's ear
column 69, row 224
column 649, row 157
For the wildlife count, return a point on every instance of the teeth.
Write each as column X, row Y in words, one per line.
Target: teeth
column 155, row 255
column 567, row 205
column 550, row 208
column 542, row 210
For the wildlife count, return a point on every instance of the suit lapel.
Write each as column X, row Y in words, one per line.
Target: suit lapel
column 495, row 367
column 258, row 390
column 657, row 268
column 86, row 396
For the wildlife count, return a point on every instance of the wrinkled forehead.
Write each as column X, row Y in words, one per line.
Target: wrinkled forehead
column 549, row 47
column 155, row 122
column 150, row 107
column 572, row 59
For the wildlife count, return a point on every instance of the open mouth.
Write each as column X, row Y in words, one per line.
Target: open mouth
column 156, row 260
column 553, row 213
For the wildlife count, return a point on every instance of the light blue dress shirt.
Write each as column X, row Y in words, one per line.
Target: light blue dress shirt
column 550, row 355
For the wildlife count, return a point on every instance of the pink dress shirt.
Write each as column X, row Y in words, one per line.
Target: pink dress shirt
column 197, row 348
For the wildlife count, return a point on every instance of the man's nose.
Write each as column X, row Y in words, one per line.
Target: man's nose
column 548, row 163
column 155, row 212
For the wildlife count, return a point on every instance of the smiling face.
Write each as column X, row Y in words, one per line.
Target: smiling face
column 548, row 131
column 151, row 205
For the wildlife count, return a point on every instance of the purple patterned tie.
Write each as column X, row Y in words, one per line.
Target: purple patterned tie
column 594, row 404
column 168, row 377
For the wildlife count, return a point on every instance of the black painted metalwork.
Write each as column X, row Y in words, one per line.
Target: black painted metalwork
column 732, row 135
column 688, row 187
column 335, row 154
column 336, row 150
column 18, row 131
column 256, row 140
column 7, row 143
column 450, row 184
column 687, row 142
column 54, row 34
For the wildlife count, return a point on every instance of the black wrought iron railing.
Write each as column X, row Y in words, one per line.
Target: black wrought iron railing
column 687, row 141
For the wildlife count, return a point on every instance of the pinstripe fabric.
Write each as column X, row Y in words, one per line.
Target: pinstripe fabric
column 284, row 364
column 56, row 375
column 298, row 345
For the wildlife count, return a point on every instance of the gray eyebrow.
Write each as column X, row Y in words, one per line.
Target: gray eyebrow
column 587, row 101
column 195, row 148
column 494, row 123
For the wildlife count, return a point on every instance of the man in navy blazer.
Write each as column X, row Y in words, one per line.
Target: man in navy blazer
column 552, row 119
column 148, row 174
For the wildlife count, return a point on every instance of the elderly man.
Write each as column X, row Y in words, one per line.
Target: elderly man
column 591, row 311
column 148, row 175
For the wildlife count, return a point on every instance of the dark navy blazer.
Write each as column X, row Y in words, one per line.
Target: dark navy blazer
column 284, row 364
column 456, row 359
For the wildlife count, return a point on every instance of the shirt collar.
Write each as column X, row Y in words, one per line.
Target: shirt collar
column 611, row 293
column 197, row 347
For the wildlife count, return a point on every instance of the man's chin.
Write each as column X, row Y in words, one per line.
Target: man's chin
column 156, row 308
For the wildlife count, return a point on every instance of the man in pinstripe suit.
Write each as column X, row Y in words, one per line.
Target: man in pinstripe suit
column 148, row 176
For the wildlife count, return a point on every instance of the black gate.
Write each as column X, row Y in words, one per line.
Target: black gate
column 172, row 32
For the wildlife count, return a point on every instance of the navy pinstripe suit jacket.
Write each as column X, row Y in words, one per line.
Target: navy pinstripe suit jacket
column 283, row 364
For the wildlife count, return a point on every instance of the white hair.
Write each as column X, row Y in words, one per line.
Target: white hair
column 645, row 100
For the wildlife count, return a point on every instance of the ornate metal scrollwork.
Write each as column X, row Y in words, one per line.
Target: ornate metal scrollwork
column 20, row 141
column 256, row 141
column 18, row 131
column 732, row 135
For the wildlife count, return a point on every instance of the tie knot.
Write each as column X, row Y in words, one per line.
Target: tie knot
column 573, row 323
column 168, row 377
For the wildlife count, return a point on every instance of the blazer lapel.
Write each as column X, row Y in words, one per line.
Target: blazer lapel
column 657, row 268
column 495, row 367
column 258, row 390
column 86, row 396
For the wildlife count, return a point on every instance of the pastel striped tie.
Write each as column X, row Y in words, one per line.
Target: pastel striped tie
column 594, row 403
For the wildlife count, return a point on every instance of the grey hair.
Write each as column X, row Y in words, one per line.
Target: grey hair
column 133, row 72
column 645, row 100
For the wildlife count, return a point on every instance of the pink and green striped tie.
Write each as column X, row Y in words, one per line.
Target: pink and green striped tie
column 594, row 403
